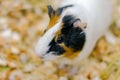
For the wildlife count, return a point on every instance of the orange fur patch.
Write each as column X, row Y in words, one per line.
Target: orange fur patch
column 53, row 21
column 70, row 54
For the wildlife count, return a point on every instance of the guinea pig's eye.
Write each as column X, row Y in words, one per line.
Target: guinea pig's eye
column 60, row 39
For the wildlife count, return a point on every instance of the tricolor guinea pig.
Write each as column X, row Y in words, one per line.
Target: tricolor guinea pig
column 74, row 28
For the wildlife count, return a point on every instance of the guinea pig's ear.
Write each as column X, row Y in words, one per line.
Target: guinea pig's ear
column 78, row 23
column 51, row 11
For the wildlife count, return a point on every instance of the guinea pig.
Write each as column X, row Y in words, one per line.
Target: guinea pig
column 73, row 30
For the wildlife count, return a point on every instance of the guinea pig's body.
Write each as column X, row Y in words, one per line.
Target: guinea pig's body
column 97, row 16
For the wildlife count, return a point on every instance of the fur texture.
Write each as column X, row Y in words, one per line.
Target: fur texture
column 66, row 37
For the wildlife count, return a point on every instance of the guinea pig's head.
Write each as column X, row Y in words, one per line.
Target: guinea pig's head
column 62, row 38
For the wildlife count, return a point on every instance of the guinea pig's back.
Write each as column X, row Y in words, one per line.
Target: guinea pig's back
column 97, row 13
column 98, row 18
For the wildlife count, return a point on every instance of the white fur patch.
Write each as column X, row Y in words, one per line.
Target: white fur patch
column 42, row 45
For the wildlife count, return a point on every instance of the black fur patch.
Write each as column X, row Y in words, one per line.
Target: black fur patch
column 68, row 21
column 74, row 37
column 54, row 47
column 58, row 12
